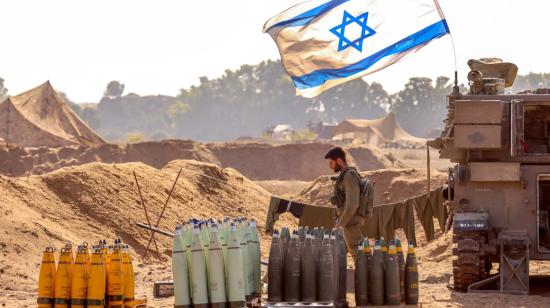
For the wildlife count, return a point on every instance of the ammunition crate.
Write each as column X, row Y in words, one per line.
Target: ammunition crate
column 163, row 289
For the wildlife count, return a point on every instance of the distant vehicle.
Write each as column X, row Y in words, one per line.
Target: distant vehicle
column 280, row 132
column 499, row 188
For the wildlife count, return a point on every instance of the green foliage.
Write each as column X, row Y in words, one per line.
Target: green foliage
column 131, row 113
column 114, row 89
column 74, row 106
column 176, row 111
column 302, row 135
column 135, row 138
column 252, row 98
column 88, row 115
column 531, row 81
column 91, row 117
column 421, row 105
column 246, row 101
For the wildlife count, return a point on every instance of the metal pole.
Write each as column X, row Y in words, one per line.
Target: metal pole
column 165, row 204
column 8, row 127
column 145, row 209
column 428, row 165
column 153, row 229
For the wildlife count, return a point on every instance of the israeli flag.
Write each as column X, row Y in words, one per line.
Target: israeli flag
column 324, row 43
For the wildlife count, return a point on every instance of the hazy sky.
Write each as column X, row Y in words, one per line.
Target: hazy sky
column 158, row 47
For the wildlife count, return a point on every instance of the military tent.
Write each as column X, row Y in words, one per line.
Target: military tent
column 40, row 117
column 384, row 131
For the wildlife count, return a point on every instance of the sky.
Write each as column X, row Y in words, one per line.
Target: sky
column 159, row 47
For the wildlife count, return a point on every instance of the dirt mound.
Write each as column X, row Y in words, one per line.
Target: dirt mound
column 257, row 161
column 25, row 161
column 303, row 162
column 283, row 189
column 391, row 185
column 95, row 201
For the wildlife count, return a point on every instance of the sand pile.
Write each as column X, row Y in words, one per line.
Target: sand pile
column 391, row 185
column 260, row 161
column 25, row 161
column 95, row 201
column 257, row 161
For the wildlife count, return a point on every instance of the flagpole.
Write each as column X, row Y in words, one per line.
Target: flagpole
column 456, row 90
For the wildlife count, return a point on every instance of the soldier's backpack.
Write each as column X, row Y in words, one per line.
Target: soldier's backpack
column 366, row 198
column 367, row 195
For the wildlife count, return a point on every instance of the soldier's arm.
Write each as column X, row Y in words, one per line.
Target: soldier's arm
column 353, row 192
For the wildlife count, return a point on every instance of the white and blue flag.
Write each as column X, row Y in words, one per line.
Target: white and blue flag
column 324, row 43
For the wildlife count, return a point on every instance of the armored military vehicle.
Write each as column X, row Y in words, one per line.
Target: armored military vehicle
column 499, row 188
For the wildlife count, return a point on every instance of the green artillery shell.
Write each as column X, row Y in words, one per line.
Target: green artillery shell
column 187, row 239
column 216, row 270
column 199, row 285
column 235, row 272
column 247, row 273
column 256, row 259
column 180, row 271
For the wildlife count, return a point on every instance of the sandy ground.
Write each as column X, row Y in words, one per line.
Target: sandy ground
column 256, row 161
column 283, row 189
column 416, row 158
column 96, row 201
column 100, row 201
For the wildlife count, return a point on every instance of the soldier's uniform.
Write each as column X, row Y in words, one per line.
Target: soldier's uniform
column 351, row 210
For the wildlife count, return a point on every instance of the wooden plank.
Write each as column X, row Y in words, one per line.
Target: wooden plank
column 495, row 172
column 478, row 112
column 478, row 136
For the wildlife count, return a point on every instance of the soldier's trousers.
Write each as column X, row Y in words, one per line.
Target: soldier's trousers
column 353, row 234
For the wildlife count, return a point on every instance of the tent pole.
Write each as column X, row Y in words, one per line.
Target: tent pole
column 428, row 165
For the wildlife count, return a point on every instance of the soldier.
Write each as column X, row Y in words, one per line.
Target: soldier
column 347, row 198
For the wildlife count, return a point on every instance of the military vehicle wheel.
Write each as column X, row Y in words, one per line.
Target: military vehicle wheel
column 469, row 266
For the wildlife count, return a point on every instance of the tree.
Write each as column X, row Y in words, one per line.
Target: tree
column 3, row 90
column 421, row 106
column 531, row 81
column 114, row 89
column 88, row 115
column 74, row 106
column 177, row 110
column 135, row 138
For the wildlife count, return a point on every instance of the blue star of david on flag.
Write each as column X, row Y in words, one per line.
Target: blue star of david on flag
column 340, row 31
